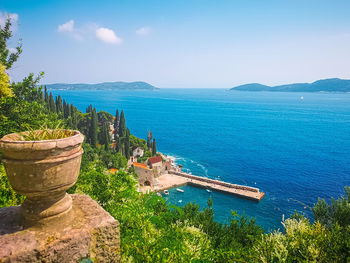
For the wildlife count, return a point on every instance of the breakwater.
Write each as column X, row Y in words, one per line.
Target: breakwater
column 242, row 191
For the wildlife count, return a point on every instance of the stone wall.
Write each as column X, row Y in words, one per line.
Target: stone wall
column 145, row 175
column 85, row 232
column 207, row 180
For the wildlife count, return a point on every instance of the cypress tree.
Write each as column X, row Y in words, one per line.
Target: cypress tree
column 89, row 109
column 149, row 139
column 127, row 144
column 56, row 104
column 46, row 95
column 65, row 109
column 71, row 110
column 122, row 125
column 52, row 104
column 116, row 126
column 154, row 147
column 42, row 98
column 93, row 129
column 106, row 135
column 59, row 106
column 74, row 122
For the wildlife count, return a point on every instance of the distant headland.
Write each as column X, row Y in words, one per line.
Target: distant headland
column 118, row 85
column 324, row 85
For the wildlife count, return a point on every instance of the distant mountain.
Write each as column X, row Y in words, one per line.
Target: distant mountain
column 324, row 85
column 119, row 85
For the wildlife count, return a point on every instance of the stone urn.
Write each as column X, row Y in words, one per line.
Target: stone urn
column 42, row 171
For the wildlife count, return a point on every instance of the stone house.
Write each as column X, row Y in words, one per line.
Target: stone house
column 145, row 174
column 156, row 163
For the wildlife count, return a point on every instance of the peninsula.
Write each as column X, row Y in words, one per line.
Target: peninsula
column 118, row 85
column 324, row 85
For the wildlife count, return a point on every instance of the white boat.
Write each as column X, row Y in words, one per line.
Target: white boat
column 180, row 190
column 180, row 201
column 208, row 190
column 302, row 97
column 166, row 192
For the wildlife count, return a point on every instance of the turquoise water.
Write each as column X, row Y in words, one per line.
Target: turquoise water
column 292, row 149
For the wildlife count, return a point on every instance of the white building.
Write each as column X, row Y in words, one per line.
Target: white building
column 137, row 152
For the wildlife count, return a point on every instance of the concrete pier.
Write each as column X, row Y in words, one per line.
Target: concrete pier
column 176, row 179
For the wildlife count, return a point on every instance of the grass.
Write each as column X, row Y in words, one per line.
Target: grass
column 46, row 133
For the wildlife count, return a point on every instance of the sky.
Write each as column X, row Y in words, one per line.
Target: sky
column 181, row 44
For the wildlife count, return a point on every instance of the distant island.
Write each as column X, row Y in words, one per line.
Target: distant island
column 118, row 85
column 324, row 85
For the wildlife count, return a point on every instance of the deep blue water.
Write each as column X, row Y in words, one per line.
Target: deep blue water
column 294, row 150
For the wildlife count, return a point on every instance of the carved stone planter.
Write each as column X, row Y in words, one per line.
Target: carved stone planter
column 42, row 171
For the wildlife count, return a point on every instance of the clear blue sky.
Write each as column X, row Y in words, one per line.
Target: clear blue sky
column 185, row 44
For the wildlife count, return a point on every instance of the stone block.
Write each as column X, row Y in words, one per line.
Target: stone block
column 86, row 231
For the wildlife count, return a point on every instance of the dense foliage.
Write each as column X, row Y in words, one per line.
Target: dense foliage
column 152, row 230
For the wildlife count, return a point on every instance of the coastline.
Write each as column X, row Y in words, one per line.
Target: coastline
column 173, row 177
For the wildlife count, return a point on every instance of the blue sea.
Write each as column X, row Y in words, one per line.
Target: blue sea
column 294, row 146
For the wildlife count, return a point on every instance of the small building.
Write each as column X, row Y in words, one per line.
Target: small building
column 145, row 174
column 156, row 163
column 137, row 152
column 131, row 160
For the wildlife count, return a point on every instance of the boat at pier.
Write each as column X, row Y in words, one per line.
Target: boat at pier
column 180, row 190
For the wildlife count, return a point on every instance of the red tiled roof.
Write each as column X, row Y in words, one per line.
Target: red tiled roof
column 156, row 159
column 113, row 170
column 141, row 165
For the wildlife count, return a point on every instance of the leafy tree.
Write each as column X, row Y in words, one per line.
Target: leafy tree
column 24, row 109
column 7, row 58
column 338, row 212
column 105, row 117
column 137, row 142
column 5, row 90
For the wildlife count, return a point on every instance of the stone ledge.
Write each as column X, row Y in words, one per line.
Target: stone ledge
column 87, row 231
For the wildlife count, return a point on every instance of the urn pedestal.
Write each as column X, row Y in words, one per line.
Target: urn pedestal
column 42, row 171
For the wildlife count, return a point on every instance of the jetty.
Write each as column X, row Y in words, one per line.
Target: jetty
column 176, row 179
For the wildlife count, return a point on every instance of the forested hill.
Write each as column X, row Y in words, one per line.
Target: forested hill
column 324, row 85
column 119, row 85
